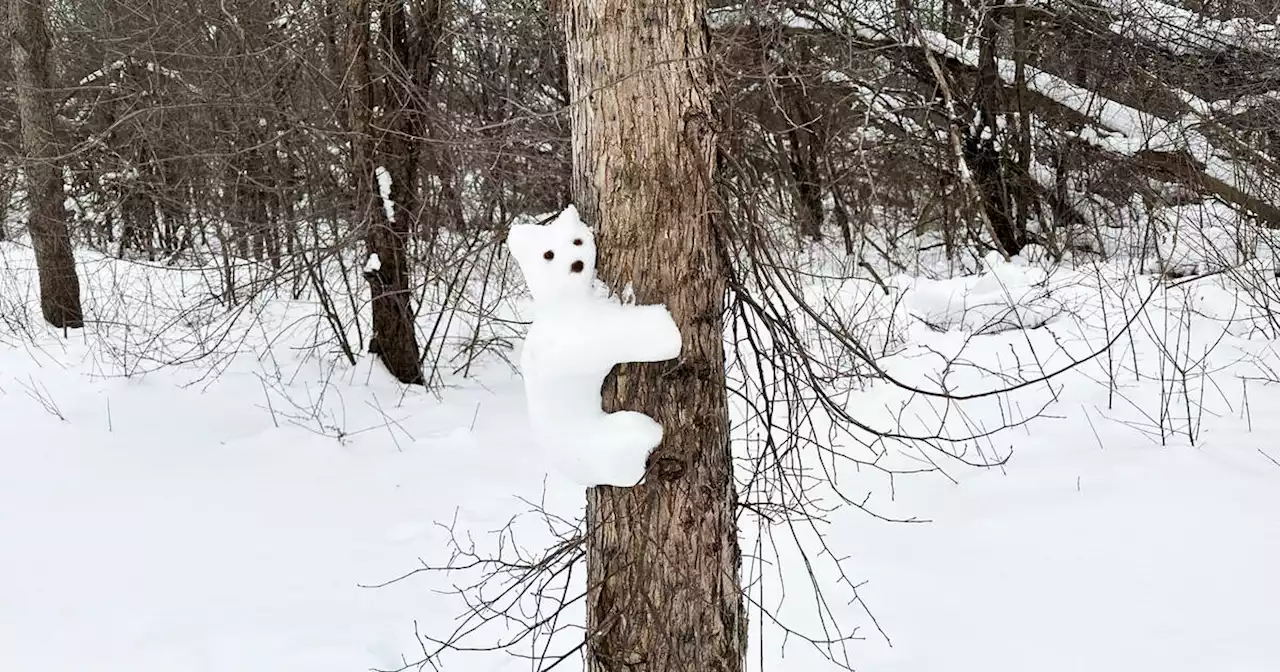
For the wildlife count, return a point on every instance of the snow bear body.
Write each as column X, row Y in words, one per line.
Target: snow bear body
column 579, row 333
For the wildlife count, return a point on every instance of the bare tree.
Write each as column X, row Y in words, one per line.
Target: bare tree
column 394, row 339
column 6, row 185
column 662, row 557
column 59, row 285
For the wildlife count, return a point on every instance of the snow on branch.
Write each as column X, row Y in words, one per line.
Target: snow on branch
column 128, row 61
column 1183, row 31
column 1232, row 171
column 1128, row 131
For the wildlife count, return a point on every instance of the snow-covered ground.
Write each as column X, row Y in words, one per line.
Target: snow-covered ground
column 225, row 514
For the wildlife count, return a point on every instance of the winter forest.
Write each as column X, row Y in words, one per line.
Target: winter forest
column 639, row 335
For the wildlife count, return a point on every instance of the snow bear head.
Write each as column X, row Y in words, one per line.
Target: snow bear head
column 558, row 259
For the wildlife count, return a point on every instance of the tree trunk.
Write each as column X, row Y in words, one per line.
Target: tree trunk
column 662, row 557
column 6, row 193
column 805, row 145
column 1022, row 182
column 984, row 150
column 394, row 339
column 803, row 161
column 59, row 285
column 411, row 37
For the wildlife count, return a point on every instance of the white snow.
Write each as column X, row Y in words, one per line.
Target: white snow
column 1183, row 31
column 221, row 514
column 579, row 333
column 283, row 19
column 383, row 177
column 1006, row 296
column 373, row 264
column 156, row 68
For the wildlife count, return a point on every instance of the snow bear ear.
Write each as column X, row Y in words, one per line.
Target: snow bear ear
column 570, row 213
column 521, row 239
column 569, row 219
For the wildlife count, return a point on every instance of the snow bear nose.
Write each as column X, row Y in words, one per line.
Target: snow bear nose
column 576, row 266
column 548, row 255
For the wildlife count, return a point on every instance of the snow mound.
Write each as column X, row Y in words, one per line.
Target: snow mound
column 1008, row 295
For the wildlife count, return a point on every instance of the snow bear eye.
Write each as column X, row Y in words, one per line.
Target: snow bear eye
column 577, row 241
column 576, row 266
column 548, row 255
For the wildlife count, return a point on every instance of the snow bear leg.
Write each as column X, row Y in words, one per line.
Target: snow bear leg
column 613, row 452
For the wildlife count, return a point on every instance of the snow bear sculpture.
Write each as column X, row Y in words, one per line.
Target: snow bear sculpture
column 580, row 331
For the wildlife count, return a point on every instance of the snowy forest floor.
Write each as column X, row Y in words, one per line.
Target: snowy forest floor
column 223, row 514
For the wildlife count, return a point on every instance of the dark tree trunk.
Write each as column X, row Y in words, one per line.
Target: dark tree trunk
column 59, row 285
column 662, row 557
column 805, row 147
column 806, row 175
column 412, row 39
column 394, row 339
column 6, row 192
column 1023, row 192
column 841, row 214
column 984, row 151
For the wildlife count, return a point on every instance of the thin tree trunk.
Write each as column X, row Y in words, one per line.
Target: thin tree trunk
column 842, row 219
column 984, row 152
column 6, row 192
column 662, row 557
column 411, row 39
column 394, row 339
column 804, row 147
column 59, row 285
column 1022, row 190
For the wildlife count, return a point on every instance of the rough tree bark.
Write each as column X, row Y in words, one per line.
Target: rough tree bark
column 394, row 339
column 662, row 557
column 55, row 263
